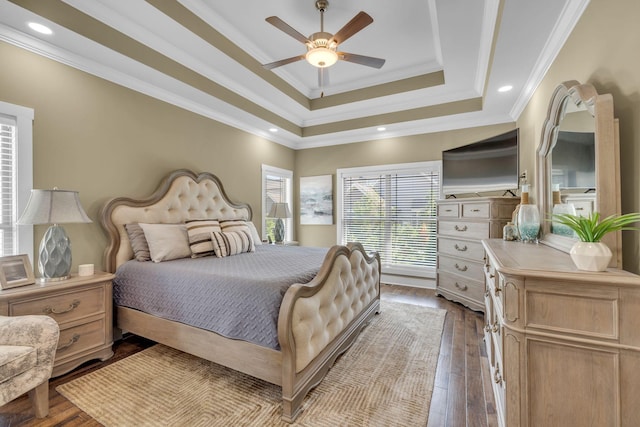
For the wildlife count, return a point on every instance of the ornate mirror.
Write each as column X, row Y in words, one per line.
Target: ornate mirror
column 578, row 163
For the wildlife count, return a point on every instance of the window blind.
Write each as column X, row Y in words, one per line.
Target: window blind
column 8, row 235
column 276, row 185
column 393, row 212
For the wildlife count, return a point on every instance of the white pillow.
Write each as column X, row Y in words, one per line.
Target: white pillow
column 167, row 241
column 254, row 233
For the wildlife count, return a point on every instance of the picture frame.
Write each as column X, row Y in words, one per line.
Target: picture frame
column 316, row 200
column 16, row 271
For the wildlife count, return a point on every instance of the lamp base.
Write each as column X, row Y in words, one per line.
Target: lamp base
column 278, row 231
column 54, row 258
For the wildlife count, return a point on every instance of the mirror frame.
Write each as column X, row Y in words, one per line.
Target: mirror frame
column 607, row 150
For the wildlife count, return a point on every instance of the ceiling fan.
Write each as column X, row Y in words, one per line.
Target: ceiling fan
column 322, row 47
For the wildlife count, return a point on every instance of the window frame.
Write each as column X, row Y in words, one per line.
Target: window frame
column 288, row 176
column 23, row 117
column 432, row 166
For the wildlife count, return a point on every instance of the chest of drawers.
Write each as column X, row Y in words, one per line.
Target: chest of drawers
column 563, row 345
column 83, row 308
column 462, row 224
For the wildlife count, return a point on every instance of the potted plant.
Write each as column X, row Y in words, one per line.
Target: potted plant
column 590, row 253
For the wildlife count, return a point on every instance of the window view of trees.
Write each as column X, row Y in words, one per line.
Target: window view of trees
column 394, row 214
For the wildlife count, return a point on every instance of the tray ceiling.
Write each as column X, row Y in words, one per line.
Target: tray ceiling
column 445, row 60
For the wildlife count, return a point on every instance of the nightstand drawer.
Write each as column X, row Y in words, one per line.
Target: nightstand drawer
column 80, row 338
column 63, row 307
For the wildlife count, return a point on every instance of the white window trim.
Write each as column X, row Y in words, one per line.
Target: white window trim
column 266, row 169
column 24, row 161
column 391, row 272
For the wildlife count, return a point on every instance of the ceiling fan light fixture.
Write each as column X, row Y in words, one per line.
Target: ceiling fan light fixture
column 321, row 57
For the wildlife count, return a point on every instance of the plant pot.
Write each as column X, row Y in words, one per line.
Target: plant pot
column 591, row 256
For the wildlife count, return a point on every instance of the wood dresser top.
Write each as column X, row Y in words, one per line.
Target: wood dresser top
column 541, row 261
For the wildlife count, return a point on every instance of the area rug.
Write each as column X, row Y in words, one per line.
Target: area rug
column 384, row 379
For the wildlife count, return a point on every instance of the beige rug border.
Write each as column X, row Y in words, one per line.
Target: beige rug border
column 208, row 409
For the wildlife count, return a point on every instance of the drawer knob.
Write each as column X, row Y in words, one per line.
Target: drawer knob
column 462, row 288
column 475, row 210
column 74, row 339
column 463, row 268
column 458, row 228
column 461, row 249
column 448, row 210
column 50, row 310
column 579, row 209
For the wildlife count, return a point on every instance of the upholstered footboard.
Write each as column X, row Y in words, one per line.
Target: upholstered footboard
column 321, row 319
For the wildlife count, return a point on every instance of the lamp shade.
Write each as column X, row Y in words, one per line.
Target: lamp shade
column 280, row 210
column 53, row 207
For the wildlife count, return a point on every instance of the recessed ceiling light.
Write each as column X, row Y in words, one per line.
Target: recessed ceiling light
column 506, row 88
column 273, row 130
column 381, row 128
column 40, row 28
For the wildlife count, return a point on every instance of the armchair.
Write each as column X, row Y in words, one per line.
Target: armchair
column 27, row 350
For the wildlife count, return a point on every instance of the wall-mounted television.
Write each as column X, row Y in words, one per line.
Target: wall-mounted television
column 488, row 165
column 573, row 161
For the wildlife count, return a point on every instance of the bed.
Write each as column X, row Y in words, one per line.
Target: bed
column 338, row 301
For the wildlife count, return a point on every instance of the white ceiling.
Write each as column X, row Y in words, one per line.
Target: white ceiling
column 479, row 45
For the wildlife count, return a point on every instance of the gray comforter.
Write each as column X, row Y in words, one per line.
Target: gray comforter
column 238, row 296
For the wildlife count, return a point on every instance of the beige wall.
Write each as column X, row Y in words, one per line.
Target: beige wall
column 603, row 51
column 104, row 140
column 418, row 148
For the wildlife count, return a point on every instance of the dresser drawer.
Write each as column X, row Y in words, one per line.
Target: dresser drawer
column 80, row 338
column 468, row 230
column 470, row 269
column 462, row 286
column 63, row 307
column 463, row 248
column 476, row 210
column 448, row 210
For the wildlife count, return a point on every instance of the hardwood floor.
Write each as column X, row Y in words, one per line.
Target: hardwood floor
column 461, row 397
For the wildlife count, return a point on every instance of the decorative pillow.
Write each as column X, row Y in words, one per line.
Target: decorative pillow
column 199, row 232
column 226, row 243
column 138, row 242
column 242, row 225
column 167, row 241
column 257, row 240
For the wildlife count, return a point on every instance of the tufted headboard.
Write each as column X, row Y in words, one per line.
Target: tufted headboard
column 182, row 195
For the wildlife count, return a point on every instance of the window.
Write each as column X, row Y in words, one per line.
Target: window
column 16, row 178
column 392, row 209
column 276, row 188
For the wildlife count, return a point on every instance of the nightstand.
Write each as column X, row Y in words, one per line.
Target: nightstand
column 83, row 308
column 288, row 243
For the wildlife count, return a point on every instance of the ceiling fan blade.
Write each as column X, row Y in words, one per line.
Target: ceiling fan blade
column 358, row 22
column 283, row 26
column 282, row 62
column 369, row 61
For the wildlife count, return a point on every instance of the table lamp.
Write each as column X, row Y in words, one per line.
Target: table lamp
column 54, row 207
column 279, row 211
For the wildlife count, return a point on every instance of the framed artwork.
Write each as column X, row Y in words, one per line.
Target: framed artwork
column 316, row 200
column 15, row 271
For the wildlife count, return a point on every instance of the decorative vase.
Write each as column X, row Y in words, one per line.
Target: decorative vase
column 591, row 256
column 528, row 223
column 561, row 229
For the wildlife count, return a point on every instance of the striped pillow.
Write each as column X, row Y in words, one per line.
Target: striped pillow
column 226, row 243
column 241, row 225
column 199, row 232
